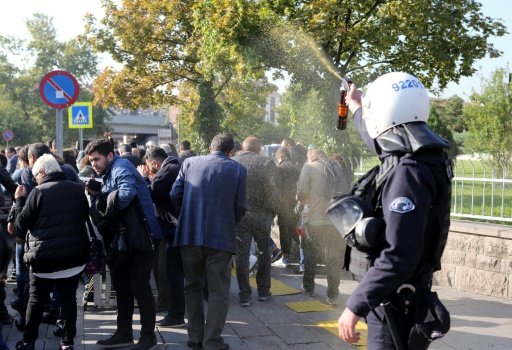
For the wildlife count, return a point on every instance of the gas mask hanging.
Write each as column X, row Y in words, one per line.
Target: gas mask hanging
column 354, row 219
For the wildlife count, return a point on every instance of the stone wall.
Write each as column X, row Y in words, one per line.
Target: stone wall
column 478, row 259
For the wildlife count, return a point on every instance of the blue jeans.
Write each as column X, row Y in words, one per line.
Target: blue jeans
column 22, row 280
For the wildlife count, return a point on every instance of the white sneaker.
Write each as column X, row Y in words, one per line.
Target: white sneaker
column 282, row 263
column 253, row 260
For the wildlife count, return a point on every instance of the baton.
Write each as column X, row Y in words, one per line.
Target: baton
column 392, row 325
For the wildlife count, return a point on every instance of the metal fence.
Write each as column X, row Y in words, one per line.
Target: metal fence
column 479, row 191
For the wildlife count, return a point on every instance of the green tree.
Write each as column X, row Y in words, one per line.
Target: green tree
column 166, row 45
column 23, row 109
column 437, row 125
column 436, row 41
column 488, row 116
column 161, row 46
column 450, row 111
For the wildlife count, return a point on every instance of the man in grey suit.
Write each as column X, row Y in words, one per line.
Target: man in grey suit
column 210, row 193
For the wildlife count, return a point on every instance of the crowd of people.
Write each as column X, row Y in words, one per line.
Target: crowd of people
column 182, row 217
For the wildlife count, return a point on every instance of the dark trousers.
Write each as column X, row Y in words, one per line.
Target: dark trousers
column 3, row 346
column 132, row 281
column 287, row 222
column 159, row 272
column 175, row 282
column 324, row 240
column 40, row 289
column 22, row 281
column 217, row 265
column 257, row 226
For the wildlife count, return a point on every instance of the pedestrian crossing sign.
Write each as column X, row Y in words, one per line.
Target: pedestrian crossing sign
column 80, row 115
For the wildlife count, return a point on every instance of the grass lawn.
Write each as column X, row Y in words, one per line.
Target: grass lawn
column 474, row 192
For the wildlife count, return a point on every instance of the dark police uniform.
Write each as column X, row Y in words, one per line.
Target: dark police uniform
column 414, row 201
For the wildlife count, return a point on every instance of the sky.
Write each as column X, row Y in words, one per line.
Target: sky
column 68, row 20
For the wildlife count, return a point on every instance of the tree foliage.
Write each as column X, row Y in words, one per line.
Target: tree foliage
column 450, row 111
column 163, row 47
column 437, row 125
column 21, row 108
column 170, row 45
column 437, row 41
column 488, row 116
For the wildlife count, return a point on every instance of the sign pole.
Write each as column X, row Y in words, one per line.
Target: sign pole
column 81, row 139
column 59, row 131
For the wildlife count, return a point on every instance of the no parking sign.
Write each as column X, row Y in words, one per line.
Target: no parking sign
column 8, row 135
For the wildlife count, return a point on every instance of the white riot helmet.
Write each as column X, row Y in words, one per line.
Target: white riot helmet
column 394, row 99
column 150, row 144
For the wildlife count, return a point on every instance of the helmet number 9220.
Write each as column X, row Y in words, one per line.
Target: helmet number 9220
column 401, row 85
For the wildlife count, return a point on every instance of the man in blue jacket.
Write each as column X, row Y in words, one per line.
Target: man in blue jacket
column 133, row 279
column 210, row 193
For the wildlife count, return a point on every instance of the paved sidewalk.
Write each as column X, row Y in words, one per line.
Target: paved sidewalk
column 478, row 322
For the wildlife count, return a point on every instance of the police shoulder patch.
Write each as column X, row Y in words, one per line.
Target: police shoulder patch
column 401, row 205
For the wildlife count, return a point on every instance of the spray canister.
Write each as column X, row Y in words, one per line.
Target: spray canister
column 342, row 105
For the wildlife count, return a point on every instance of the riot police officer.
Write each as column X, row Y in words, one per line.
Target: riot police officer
column 409, row 197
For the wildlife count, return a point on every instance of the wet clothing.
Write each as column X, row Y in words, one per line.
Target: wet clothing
column 285, row 185
column 319, row 182
column 256, row 223
column 261, row 197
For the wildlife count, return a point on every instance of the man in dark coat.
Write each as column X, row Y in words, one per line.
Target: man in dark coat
column 35, row 151
column 125, row 151
column 6, row 255
column 55, row 215
column 257, row 222
column 285, row 183
column 210, row 193
column 12, row 159
column 185, row 151
column 167, row 264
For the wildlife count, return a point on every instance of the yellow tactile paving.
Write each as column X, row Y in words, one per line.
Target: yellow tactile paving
column 277, row 288
column 332, row 326
column 308, row 306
